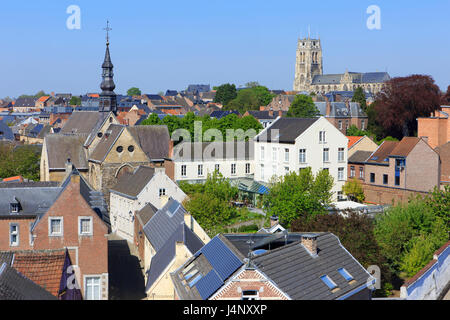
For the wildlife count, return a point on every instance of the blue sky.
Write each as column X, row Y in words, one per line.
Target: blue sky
column 159, row 45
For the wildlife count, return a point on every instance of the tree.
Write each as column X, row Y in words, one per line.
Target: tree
column 40, row 94
column 299, row 196
column 252, row 84
column 250, row 99
column 403, row 101
column 354, row 190
column 445, row 100
column 225, row 93
column 134, row 92
column 210, row 204
column 75, row 101
column 303, row 107
column 20, row 161
column 360, row 97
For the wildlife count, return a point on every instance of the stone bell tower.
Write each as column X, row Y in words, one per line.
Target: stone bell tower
column 309, row 63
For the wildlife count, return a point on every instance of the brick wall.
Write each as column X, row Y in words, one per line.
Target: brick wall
column 387, row 195
column 91, row 253
column 24, row 233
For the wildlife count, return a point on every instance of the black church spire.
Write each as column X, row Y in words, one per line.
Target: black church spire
column 108, row 99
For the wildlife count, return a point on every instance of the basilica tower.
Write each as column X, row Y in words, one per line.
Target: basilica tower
column 309, row 63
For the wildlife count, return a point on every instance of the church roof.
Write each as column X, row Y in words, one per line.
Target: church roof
column 369, row 77
column 61, row 147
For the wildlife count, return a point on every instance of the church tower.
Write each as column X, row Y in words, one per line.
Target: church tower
column 108, row 99
column 309, row 63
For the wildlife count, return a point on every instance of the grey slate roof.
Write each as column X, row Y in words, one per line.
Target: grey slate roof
column 154, row 140
column 15, row 286
column 83, row 122
column 33, row 201
column 204, row 151
column 263, row 115
column 5, row 132
column 339, row 109
column 6, row 257
column 131, row 184
column 297, row 273
column 25, row 102
column 146, row 213
column 360, row 157
column 164, row 229
column 104, row 146
column 286, row 130
column 61, row 147
column 370, row 77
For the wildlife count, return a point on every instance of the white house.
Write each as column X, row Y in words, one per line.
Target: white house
column 133, row 191
column 292, row 144
column 194, row 161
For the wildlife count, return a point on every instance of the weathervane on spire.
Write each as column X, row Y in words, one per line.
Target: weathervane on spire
column 107, row 29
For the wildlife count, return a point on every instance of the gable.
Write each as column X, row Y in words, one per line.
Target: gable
column 125, row 142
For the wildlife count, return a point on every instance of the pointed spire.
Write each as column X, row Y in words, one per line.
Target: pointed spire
column 108, row 99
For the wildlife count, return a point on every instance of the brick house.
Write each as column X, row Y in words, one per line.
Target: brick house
column 398, row 169
column 67, row 216
column 284, row 266
column 436, row 128
column 359, row 151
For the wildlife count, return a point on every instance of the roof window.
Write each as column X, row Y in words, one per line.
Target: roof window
column 347, row 276
column 327, row 280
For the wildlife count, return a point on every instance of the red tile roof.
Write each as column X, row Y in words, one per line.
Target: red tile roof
column 45, row 268
column 18, row 178
column 44, row 98
column 405, row 146
column 353, row 141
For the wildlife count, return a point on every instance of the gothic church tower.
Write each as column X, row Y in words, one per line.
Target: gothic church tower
column 309, row 63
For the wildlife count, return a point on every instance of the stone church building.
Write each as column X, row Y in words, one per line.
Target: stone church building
column 309, row 75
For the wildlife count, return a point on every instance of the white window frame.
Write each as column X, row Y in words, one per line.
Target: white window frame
column 341, row 154
column 341, row 174
column 275, row 154
column 50, row 234
column 326, row 152
column 162, row 192
column 248, row 168
column 262, row 172
column 322, row 137
column 16, row 233
column 183, row 170
column 250, row 297
column 286, row 155
column 91, row 227
column 352, row 172
column 361, row 172
column 302, row 159
column 15, row 208
column 233, row 169
column 200, row 170
column 217, row 167
column 85, row 278
column 262, row 153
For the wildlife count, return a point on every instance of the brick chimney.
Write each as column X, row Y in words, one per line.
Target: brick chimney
column 310, row 243
column 270, row 113
column 69, row 167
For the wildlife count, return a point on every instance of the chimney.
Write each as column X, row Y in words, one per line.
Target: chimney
column 310, row 243
column 262, row 108
column 271, row 113
column 280, row 113
column 69, row 166
column 426, row 139
column 274, row 220
column 170, row 149
column 328, row 112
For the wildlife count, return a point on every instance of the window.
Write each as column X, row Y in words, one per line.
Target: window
column 131, row 149
column 341, row 154
column 262, row 172
column 14, row 235
column 302, row 157
column 100, row 135
column 341, row 174
column 217, row 168
column 195, row 280
column 14, row 208
column 56, row 227
column 326, row 155
column 92, row 288
column 200, row 170
column 183, row 171
column 286, row 155
column 361, row 172
column 340, row 196
column 372, row 178
column 31, row 234
column 397, row 181
column 286, row 170
column 347, row 276
column 322, row 137
column 347, row 125
column 85, row 226
column 340, row 124
column 352, row 172
column 119, row 149
column 275, row 154
column 250, row 295
column 363, row 125
column 385, row 179
column 162, row 192
column 262, row 153
column 327, row 280
column 247, row 168
column 233, row 169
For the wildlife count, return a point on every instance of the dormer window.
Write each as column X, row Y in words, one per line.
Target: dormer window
column 15, row 208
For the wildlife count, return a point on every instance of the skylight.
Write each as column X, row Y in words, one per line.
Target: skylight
column 196, row 279
column 347, row 276
column 327, row 280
